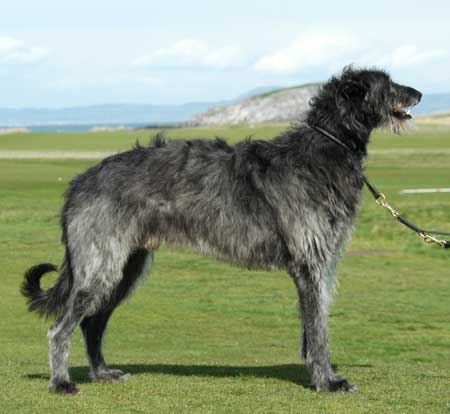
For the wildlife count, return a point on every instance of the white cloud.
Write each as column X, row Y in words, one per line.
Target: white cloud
column 400, row 58
column 331, row 51
column 107, row 80
column 410, row 55
column 129, row 78
column 13, row 51
column 311, row 49
column 150, row 81
column 193, row 53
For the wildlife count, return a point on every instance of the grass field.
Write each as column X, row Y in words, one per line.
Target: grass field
column 203, row 337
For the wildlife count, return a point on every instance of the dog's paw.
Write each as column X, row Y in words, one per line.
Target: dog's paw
column 64, row 387
column 337, row 385
column 111, row 375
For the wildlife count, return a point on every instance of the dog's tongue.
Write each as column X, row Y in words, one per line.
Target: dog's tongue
column 407, row 114
column 404, row 114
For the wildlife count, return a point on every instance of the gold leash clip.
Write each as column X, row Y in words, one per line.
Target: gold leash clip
column 430, row 239
column 381, row 201
column 427, row 238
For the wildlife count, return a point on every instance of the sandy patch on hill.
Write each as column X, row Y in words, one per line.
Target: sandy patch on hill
column 8, row 131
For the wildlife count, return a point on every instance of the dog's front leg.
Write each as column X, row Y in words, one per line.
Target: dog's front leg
column 314, row 300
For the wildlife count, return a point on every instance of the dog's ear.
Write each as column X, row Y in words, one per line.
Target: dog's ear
column 350, row 96
column 350, row 92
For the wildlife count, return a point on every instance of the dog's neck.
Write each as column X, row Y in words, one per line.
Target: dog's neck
column 356, row 138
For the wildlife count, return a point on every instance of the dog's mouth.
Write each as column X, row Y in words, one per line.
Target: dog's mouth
column 402, row 113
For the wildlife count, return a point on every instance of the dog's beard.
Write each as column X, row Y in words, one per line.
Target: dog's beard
column 399, row 120
column 398, row 126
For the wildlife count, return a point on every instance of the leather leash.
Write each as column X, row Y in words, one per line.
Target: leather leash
column 380, row 198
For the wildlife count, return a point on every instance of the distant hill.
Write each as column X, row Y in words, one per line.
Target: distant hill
column 257, row 91
column 277, row 105
column 265, row 104
column 102, row 114
column 290, row 104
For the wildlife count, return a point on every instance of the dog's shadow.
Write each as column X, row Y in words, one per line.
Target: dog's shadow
column 298, row 374
column 295, row 373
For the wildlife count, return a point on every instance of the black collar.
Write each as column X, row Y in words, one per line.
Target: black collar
column 353, row 149
column 328, row 135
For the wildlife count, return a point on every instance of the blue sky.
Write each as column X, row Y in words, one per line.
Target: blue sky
column 55, row 53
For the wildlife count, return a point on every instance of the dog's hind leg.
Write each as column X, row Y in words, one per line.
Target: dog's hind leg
column 60, row 337
column 314, row 296
column 93, row 327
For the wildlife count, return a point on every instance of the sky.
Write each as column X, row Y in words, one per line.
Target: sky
column 57, row 54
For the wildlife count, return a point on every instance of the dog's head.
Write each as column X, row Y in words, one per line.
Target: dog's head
column 365, row 99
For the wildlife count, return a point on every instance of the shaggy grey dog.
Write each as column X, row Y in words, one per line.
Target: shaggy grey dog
column 288, row 203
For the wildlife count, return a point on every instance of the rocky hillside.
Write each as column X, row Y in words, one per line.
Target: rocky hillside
column 277, row 106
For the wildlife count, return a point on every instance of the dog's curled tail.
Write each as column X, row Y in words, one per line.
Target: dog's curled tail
column 46, row 302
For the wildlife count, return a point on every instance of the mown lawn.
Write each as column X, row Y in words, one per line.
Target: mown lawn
column 203, row 337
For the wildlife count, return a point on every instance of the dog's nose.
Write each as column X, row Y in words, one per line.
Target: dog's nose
column 414, row 94
column 419, row 96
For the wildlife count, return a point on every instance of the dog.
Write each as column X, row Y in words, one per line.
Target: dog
column 288, row 203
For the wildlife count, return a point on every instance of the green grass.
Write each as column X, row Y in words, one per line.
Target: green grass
column 123, row 140
column 203, row 337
